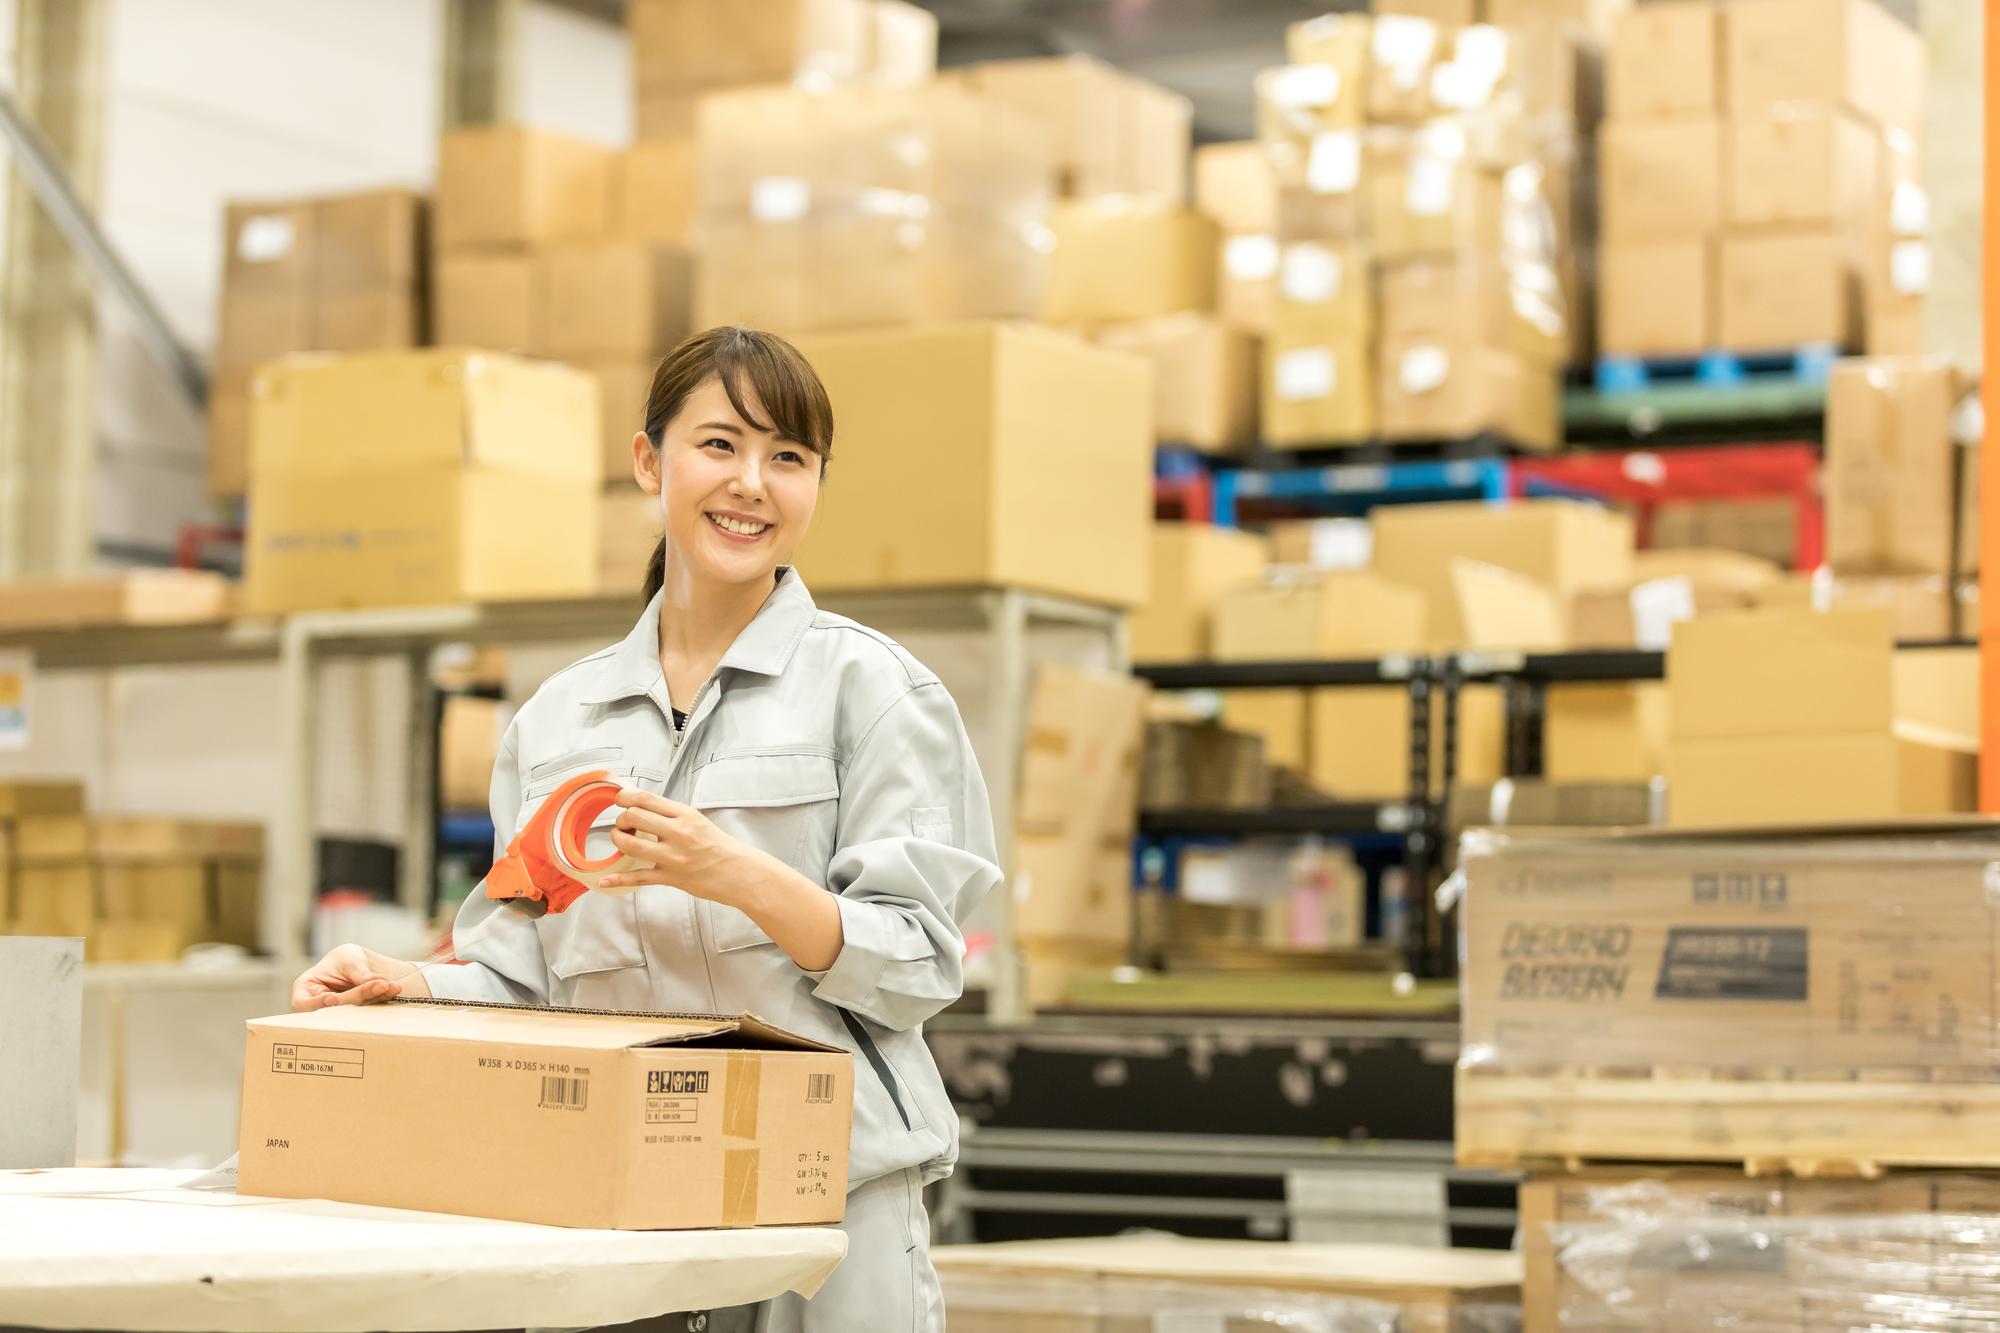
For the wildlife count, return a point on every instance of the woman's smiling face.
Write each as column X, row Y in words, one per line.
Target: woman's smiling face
column 736, row 497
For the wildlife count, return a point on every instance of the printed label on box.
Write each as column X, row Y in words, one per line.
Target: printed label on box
column 1403, row 43
column 1427, row 190
column 779, row 198
column 1306, row 86
column 1424, row 368
column 1333, row 163
column 1311, row 273
column 1657, row 606
column 1910, row 267
column 1909, row 210
column 1733, row 963
column 1307, row 372
column 265, row 240
column 1250, row 258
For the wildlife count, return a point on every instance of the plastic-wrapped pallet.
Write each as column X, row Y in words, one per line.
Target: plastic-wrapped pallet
column 1113, row 1305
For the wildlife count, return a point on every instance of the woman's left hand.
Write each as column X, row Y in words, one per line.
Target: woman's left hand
column 679, row 845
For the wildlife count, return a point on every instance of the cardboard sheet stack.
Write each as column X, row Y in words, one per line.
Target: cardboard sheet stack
column 1777, row 1032
column 1759, row 179
column 137, row 889
column 1422, row 178
column 336, row 274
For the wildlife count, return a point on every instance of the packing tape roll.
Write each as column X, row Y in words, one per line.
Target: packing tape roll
column 547, row 867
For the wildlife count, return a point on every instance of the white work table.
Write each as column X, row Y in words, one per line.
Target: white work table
column 133, row 1250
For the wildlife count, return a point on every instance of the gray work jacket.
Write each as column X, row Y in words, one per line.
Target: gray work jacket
column 828, row 746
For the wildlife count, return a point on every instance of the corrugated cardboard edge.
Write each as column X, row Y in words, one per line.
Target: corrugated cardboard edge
column 748, row 1024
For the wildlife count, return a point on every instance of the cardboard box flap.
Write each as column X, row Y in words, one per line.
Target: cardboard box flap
column 536, row 1025
column 1955, row 834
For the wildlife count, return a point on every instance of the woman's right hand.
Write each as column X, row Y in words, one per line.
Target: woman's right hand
column 351, row 974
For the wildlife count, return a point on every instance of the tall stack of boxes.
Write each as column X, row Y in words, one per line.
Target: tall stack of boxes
column 137, row 889
column 1423, row 181
column 1749, row 168
column 337, row 274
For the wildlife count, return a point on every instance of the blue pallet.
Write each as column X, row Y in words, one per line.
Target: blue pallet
column 1808, row 363
column 1356, row 486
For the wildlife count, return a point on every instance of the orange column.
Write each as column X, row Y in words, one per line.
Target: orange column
column 1989, row 524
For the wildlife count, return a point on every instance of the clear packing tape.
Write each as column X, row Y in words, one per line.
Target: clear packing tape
column 1917, row 1272
column 1018, row 1303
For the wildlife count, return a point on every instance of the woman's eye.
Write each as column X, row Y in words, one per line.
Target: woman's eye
column 791, row 456
column 719, row 444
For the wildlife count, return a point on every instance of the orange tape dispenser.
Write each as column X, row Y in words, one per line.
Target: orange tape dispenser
column 545, row 868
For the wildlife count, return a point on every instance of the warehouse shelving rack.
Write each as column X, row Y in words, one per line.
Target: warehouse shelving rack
column 1015, row 629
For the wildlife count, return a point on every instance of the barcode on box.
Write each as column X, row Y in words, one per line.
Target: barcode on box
column 565, row 1094
column 819, row 1089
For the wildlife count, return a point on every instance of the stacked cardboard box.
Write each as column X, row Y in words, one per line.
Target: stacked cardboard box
column 1193, row 565
column 1746, row 171
column 1756, row 740
column 1892, row 477
column 1202, row 766
column 343, row 273
column 412, row 478
column 137, row 597
column 1664, row 588
column 863, row 207
column 1107, row 133
column 1442, row 155
column 1122, row 1284
column 137, row 889
column 683, row 50
column 1075, row 812
column 470, row 729
column 545, row 245
column 1234, row 187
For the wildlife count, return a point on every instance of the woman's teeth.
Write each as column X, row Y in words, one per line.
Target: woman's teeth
column 739, row 528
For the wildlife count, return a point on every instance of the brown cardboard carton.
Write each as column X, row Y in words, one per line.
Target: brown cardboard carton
column 702, row 44
column 1966, row 524
column 258, row 325
column 1609, row 732
column 365, row 319
column 1504, row 610
column 394, row 478
column 369, row 240
column 1596, row 18
column 1324, row 292
column 54, row 898
column 662, row 115
column 1890, row 465
column 1358, row 740
column 1628, row 613
column 652, row 191
column 1780, row 289
column 1246, row 281
column 1513, row 306
column 1736, row 675
column 1662, row 61
column 269, row 247
column 1764, row 529
column 1279, row 716
column 1817, row 779
column 227, row 464
column 1106, row 132
column 1539, row 804
column 469, row 731
column 1321, row 615
column 628, row 529
column 1115, row 263
column 1234, row 186
column 1660, row 180
column 1801, row 164
column 1204, row 379
column 1656, row 297
column 1422, row 202
column 1562, row 544
column 487, row 299
column 1321, row 543
column 1920, row 606
column 1194, row 564
column 1014, row 403
column 30, row 796
column 512, row 185
column 1445, row 13
column 647, row 1122
column 619, row 298
column 1431, row 389
column 135, row 597
column 1078, row 804
column 623, row 388
column 1851, row 51
column 1937, row 689
column 129, row 838
column 1317, row 391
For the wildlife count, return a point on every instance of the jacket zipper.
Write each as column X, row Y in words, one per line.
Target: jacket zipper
column 873, row 1055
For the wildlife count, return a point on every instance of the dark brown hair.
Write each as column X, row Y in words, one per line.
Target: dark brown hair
column 784, row 382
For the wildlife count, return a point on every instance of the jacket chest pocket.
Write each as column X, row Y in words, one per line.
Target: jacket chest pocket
column 600, row 931
column 785, row 804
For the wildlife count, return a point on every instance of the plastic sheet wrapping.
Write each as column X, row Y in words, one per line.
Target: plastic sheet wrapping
column 1810, row 993
column 861, row 206
column 982, row 1303
column 1912, row 1272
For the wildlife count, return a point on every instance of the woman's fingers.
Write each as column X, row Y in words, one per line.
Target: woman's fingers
column 635, row 799
column 635, row 820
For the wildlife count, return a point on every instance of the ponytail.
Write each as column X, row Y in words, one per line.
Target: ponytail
column 656, row 571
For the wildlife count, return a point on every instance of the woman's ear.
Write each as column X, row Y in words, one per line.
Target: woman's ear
column 645, row 464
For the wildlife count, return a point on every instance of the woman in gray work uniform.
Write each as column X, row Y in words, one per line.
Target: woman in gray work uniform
column 813, row 826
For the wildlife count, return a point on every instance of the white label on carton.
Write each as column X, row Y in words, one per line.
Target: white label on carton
column 1189, row 1321
column 1480, row 57
column 1909, row 210
column 1427, row 191
column 882, row 202
column 1333, row 164
column 1306, row 87
column 779, row 198
column 1403, row 44
column 1311, row 273
column 1657, row 606
column 1423, row 368
column 1442, row 138
column 1304, row 373
column 1910, row 267
column 1250, row 258
column 1453, row 88
column 265, row 240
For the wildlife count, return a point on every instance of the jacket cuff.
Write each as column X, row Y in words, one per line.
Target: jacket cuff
column 856, row 975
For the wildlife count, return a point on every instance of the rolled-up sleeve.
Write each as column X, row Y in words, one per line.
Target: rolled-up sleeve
column 499, row 951
column 914, row 856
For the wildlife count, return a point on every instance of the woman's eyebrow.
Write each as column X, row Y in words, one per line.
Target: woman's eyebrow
column 720, row 425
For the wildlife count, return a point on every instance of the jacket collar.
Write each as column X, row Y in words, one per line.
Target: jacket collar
column 765, row 646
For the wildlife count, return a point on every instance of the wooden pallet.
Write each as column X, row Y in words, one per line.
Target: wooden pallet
column 1806, row 364
column 1794, row 1126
